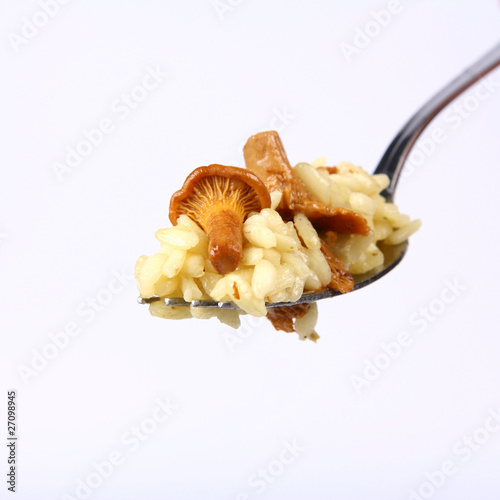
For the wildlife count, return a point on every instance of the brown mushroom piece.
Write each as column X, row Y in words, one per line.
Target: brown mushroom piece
column 283, row 317
column 265, row 156
column 219, row 198
column 342, row 280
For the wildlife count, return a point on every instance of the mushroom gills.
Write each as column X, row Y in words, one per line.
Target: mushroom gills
column 220, row 204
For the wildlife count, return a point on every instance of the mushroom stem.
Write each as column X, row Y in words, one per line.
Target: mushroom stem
column 225, row 234
column 218, row 198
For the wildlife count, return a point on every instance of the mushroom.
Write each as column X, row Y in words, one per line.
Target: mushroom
column 265, row 156
column 219, row 198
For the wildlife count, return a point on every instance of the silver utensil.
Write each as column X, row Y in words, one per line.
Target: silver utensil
column 391, row 164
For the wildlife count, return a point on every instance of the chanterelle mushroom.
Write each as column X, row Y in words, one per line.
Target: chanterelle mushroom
column 219, row 198
column 265, row 156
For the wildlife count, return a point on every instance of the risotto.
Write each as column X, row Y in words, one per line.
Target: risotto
column 284, row 253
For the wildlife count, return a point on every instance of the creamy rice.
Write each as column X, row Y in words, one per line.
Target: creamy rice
column 281, row 260
column 275, row 267
column 353, row 188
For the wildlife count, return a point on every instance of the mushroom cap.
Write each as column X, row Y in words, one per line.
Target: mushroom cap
column 231, row 186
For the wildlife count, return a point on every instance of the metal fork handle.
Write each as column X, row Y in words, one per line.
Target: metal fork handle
column 394, row 158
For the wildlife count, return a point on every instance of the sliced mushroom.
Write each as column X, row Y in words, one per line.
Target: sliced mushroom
column 285, row 318
column 266, row 157
column 219, row 198
column 342, row 280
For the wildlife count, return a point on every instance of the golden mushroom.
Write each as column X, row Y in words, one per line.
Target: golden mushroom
column 265, row 156
column 219, row 198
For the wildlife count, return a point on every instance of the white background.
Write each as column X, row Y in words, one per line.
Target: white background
column 228, row 74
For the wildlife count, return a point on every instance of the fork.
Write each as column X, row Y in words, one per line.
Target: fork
column 391, row 164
